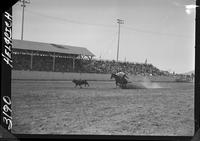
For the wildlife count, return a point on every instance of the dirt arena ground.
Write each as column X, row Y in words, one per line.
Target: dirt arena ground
column 56, row 107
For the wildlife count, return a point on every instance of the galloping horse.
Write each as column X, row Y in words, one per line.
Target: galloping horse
column 119, row 81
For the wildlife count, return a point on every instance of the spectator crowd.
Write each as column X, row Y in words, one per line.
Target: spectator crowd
column 45, row 63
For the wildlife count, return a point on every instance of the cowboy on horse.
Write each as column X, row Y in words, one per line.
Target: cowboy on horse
column 122, row 74
column 120, row 79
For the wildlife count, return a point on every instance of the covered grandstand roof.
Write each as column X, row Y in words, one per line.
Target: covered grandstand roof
column 48, row 47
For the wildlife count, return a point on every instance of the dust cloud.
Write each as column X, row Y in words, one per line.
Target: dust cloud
column 148, row 84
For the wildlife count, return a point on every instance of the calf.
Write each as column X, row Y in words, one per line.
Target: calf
column 80, row 83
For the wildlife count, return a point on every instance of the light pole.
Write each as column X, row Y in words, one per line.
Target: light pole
column 24, row 2
column 119, row 21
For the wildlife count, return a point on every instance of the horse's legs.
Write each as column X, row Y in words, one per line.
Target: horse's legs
column 116, row 84
column 121, row 85
column 124, row 85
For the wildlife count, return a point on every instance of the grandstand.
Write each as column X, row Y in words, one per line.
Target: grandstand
column 47, row 57
column 37, row 56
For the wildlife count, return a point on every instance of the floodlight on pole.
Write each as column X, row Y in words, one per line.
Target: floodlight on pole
column 24, row 2
column 119, row 21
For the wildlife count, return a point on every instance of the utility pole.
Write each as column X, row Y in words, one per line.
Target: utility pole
column 119, row 21
column 24, row 2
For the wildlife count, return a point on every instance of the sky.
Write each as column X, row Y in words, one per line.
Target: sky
column 161, row 31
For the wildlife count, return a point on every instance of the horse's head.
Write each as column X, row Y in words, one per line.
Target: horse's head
column 112, row 76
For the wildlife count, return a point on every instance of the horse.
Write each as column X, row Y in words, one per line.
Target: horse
column 119, row 81
column 80, row 83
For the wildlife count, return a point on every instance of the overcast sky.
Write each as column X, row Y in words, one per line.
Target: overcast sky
column 160, row 30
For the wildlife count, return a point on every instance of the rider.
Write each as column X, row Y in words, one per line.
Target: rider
column 122, row 74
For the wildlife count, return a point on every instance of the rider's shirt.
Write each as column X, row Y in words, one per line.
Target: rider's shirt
column 121, row 74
